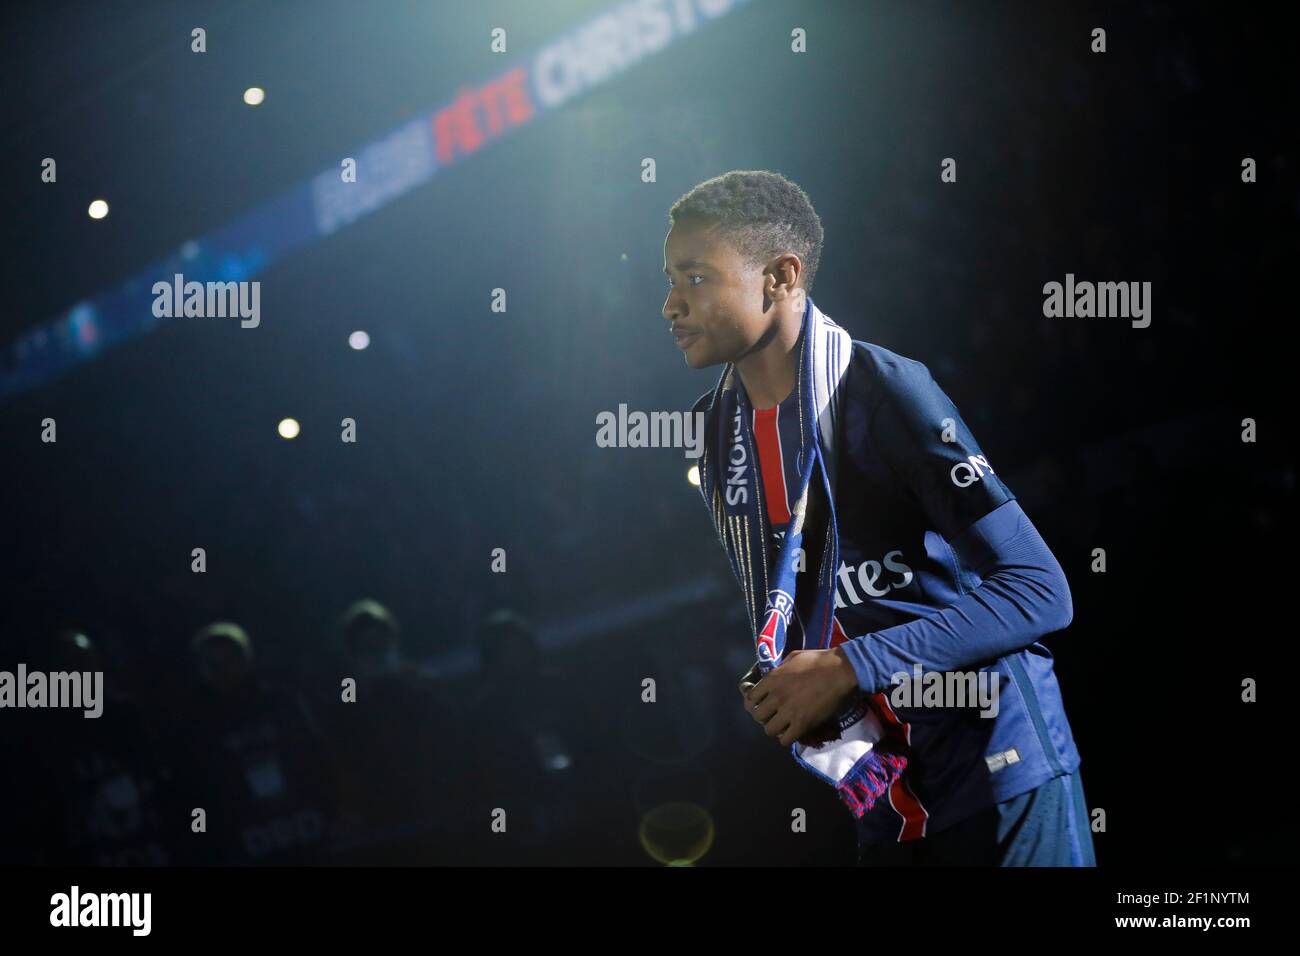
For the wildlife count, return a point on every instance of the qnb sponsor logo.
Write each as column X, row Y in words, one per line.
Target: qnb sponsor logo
column 626, row 429
column 1102, row 300
column 779, row 607
column 208, row 300
column 737, row 466
column 102, row 909
column 871, row 580
column 78, row 690
column 967, row 472
column 974, row 689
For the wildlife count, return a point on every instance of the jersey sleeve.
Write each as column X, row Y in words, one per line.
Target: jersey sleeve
column 922, row 438
column 1023, row 596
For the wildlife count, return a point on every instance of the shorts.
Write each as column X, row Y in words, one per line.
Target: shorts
column 1048, row 826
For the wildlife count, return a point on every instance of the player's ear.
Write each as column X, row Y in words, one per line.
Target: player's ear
column 781, row 278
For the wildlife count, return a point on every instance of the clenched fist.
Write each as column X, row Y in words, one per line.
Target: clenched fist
column 809, row 688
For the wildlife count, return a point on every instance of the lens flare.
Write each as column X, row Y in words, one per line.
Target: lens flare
column 677, row 834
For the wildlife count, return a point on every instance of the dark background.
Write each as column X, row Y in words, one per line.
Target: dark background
column 476, row 429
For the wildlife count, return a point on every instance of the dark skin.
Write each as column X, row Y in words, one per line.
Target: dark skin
column 722, row 308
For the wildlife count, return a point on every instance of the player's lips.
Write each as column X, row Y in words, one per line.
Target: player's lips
column 685, row 336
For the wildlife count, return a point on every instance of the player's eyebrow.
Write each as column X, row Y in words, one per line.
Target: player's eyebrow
column 688, row 264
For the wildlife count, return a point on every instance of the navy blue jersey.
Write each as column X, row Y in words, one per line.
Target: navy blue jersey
column 921, row 512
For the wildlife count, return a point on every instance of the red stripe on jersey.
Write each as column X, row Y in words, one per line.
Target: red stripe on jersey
column 768, row 440
column 901, row 797
column 838, row 636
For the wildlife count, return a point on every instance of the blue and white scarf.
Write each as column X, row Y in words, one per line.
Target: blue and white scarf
column 851, row 751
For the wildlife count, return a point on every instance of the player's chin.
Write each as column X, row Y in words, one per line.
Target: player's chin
column 699, row 355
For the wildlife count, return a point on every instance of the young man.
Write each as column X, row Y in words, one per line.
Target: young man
column 875, row 544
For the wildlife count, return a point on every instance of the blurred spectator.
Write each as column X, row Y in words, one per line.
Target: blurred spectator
column 536, row 746
column 256, row 762
column 393, row 735
column 100, row 785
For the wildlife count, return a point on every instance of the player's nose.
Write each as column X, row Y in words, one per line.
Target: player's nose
column 673, row 308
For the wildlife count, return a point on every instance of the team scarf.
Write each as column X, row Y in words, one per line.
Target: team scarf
column 851, row 751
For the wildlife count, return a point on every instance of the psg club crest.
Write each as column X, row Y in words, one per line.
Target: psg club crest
column 772, row 635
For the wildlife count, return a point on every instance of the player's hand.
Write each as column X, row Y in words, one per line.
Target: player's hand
column 808, row 688
column 750, row 680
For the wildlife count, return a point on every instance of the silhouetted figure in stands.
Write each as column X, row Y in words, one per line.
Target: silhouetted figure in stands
column 394, row 739
column 256, row 762
column 96, row 786
column 533, row 744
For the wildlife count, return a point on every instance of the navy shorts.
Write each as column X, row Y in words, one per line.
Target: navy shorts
column 1048, row 826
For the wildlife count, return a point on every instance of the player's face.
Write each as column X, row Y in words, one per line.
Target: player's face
column 716, row 305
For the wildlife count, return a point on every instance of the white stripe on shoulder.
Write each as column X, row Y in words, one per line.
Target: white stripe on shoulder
column 832, row 349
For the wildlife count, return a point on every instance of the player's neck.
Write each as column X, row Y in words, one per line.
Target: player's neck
column 768, row 370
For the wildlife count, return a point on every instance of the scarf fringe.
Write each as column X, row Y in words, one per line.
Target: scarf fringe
column 869, row 779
